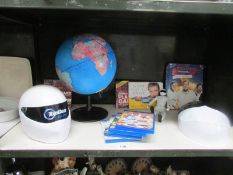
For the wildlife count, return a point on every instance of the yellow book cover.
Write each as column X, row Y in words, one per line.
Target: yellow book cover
column 142, row 94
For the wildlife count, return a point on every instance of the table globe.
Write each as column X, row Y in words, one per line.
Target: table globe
column 87, row 64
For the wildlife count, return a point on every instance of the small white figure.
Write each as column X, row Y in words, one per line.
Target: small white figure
column 159, row 106
column 91, row 163
column 154, row 170
column 84, row 171
column 100, row 170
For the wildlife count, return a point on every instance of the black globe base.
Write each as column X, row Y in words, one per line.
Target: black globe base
column 84, row 114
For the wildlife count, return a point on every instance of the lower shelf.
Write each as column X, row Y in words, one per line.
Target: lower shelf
column 86, row 139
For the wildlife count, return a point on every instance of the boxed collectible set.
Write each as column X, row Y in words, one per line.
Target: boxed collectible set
column 184, row 84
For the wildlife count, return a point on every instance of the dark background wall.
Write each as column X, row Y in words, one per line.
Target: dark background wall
column 143, row 42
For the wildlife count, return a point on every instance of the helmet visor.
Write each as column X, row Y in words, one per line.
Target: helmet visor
column 47, row 114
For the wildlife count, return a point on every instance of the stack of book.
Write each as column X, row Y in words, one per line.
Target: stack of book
column 130, row 126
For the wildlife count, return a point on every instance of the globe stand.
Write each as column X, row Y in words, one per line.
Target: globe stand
column 89, row 113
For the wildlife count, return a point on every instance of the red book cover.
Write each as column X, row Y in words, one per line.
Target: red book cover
column 61, row 85
column 122, row 94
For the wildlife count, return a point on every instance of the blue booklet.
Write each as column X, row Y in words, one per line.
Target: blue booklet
column 136, row 121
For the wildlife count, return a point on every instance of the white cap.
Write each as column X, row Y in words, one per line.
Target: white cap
column 204, row 125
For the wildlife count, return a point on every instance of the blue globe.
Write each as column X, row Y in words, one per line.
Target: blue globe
column 86, row 63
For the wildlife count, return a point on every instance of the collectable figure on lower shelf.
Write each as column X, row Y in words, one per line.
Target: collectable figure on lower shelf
column 141, row 166
column 171, row 171
column 92, row 169
column 64, row 166
column 116, row 166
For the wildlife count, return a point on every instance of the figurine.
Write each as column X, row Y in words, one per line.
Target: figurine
column 154, row 170
column 84, row 171
column 100, row 170
column 141, row 166
column 91, row 163
column 158, row 105
column 116, row 167
column 62, row 164
column 170, row 171
column 94, row 169
column 184, row 173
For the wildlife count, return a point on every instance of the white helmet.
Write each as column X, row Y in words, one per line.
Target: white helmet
column 44, row 114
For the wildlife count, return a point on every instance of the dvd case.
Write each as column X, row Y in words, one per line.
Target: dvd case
column 109, row 139
column 113, row 131
column 136, row 121
column 184, row 84
column 111, row 135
